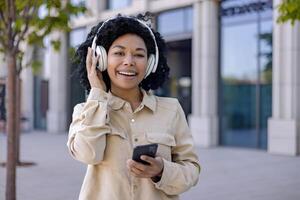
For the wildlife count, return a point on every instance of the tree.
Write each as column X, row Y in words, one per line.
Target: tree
column 289, row 10
column 20, row 22
column 267, row 38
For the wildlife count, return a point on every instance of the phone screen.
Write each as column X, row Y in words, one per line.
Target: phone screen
column 148, row 150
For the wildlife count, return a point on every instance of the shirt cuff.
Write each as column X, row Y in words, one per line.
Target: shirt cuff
column 97, row 94
column 168, row 172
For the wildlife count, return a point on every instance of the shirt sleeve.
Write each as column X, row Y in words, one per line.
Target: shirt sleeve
column 88, row 129
column 182, row 172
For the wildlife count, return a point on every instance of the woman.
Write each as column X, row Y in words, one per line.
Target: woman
column 120, row 61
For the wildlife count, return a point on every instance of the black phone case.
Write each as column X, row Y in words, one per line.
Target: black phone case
column 148, row 150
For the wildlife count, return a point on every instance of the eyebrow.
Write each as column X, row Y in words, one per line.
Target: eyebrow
column 121, row 47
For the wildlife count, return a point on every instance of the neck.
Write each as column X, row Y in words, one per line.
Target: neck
column 133, row 96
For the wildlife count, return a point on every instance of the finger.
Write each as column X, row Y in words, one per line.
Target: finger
column 136, row 171
column 140, row 166
column 134, row 164
column 94, row 62
column 88, row 60
column 149, row 159
column 91, row 58
column 99, row 74
column 129, row 165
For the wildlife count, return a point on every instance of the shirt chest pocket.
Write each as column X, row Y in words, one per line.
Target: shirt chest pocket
column 165, row 143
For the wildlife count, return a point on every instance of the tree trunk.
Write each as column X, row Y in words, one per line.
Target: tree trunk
column 18, row 120
column 11, row 127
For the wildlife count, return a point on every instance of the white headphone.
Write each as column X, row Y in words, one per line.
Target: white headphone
column 100, row 50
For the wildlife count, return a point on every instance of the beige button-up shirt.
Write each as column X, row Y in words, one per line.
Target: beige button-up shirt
column 103, row 133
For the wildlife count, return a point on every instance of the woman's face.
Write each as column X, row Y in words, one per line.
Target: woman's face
column 127, row 60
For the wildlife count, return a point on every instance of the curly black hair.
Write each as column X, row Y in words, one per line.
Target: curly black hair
column 110, row 31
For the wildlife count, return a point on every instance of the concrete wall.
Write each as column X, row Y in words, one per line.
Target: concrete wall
column 283, row 126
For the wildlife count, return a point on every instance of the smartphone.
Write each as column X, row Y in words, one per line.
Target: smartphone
column 148, row 150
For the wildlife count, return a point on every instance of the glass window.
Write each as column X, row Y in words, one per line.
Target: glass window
column 77, row 36
column 2, row 103
column 78, row 2
column 265, row 79
column 117, row 4
column 246, row 72
column 189, row 19
column 179, row 84
column 239, row 52
column 76, row 91
column 175, row 21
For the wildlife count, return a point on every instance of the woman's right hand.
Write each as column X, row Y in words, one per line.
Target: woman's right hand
column 94, row 75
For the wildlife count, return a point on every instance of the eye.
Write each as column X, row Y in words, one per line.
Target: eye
column 118, row 53
column 140, row 55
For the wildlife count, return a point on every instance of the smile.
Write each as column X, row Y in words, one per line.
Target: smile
column 126, row 73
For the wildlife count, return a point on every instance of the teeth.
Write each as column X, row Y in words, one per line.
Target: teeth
column 127, row 73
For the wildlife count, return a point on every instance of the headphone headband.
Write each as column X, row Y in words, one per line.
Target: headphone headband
column 153, row 66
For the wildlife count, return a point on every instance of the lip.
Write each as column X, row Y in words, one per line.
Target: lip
column 126, row 69
column 123, row 76
column 128, row 73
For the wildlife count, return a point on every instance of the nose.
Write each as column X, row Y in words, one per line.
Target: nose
column 129, row 60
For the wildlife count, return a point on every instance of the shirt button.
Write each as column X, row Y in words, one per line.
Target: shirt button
column 135, row 139
column 132, row 120
column 135, row 187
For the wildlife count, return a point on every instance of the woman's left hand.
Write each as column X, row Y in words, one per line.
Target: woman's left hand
column 146, row 171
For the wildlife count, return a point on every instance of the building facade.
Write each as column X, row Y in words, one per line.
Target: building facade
column 234, row 69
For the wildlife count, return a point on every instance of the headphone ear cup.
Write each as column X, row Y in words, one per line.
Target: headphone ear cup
column 150, row 65
column 102, row 60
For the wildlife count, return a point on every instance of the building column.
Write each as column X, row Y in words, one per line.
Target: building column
column 57, row 112
column 96, row 6
column 3, row 68
column 27, row 92
column 283, row 126
column 204, row 118
column 143, row 5
column 3, row 97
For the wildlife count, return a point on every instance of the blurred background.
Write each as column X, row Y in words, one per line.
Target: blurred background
column 220, row 54
column 234, row 69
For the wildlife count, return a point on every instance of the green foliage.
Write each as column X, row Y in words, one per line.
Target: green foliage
column 56, row 44
column 36, row 66
column 289, row 10
column 32, row 21
column 71, row 53
column 267, row 71
column 35, row 19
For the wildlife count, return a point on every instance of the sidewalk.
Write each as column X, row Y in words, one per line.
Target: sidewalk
column 227, row 173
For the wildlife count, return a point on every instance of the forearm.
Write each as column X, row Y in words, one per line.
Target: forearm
column 87, row 133
column 88, row 144
column 178, row 177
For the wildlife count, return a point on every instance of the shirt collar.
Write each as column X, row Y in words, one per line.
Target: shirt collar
column 117, row 103
column 149, row 100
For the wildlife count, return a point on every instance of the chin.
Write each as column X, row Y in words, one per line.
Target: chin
column 125, row 86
